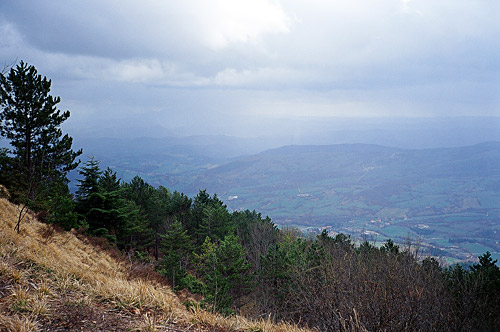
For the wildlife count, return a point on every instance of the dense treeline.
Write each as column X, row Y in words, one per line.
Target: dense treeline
column 238, row 261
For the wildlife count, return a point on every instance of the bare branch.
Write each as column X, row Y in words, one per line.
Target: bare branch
column 7, row 66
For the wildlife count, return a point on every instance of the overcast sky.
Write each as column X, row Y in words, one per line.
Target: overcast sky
column 210, row 64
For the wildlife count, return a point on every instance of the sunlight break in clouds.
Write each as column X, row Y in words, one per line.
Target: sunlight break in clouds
column 230, row 21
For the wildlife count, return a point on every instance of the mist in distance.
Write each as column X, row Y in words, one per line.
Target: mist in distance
column 245, row 137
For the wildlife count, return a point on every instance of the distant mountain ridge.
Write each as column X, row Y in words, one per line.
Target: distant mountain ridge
column 357, row 159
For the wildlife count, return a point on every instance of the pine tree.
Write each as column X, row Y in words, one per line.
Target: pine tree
column 180, row 207
column 225, row 271
column 91, row 173
column 109, row 181
column 103, row 207
column 41, row 155
column 159, row 211
column 87, row 186
column 390, row 247
column 176, row 247
column 234, row 268
column 216, row 223
column 209, row 217
column 154, row 205
column 486, row 275
column 140, row 192
column 63, row 209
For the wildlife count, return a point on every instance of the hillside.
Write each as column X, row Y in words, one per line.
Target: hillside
column 53, row 280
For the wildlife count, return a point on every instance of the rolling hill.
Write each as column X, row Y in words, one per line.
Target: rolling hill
column 448, row 197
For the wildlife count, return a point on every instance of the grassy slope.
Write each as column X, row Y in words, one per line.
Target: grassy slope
column 56, row 281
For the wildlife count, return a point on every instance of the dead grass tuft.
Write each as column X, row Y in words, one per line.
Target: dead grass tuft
column 4, row 193
column 21, row 299
column 239, row 323
column 154, row 323
column 18, row 323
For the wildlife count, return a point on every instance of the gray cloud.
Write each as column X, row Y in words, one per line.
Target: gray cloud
column 262, row 57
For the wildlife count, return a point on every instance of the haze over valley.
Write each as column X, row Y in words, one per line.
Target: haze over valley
column 447, row 197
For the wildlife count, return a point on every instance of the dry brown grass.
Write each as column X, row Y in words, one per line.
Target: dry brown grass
column 239, row 323
column 17, row 323
column 43, row 271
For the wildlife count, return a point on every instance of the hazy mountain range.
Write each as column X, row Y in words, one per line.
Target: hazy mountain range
column 445, row 195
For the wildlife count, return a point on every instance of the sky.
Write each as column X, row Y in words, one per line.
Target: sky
column 226, row 66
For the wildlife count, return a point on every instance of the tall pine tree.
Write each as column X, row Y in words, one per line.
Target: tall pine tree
column 31, row 121
column 41, row 156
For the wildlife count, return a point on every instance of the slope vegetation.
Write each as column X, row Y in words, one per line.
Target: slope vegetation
column 53, row 280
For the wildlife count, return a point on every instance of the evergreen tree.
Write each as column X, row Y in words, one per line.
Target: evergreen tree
column 91, row 173
column 111, row 216
column 486, row 266
column 256, row 234
column 207, row 212
column 225, row 272
column 6, row 174
column 41, row 155
column 103, row 208
column 87, row 186
column 390, row 247
column 62, row 209
column 159, row 213
column 130, row 224
column 140, row 192
column 486, row 275
column 216, row 223
column 176, row 248
column 109, row 181
column 280, row 268
column 343, row 240
column 180, row 207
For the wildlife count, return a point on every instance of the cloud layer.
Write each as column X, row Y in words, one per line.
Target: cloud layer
column 328, row 58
